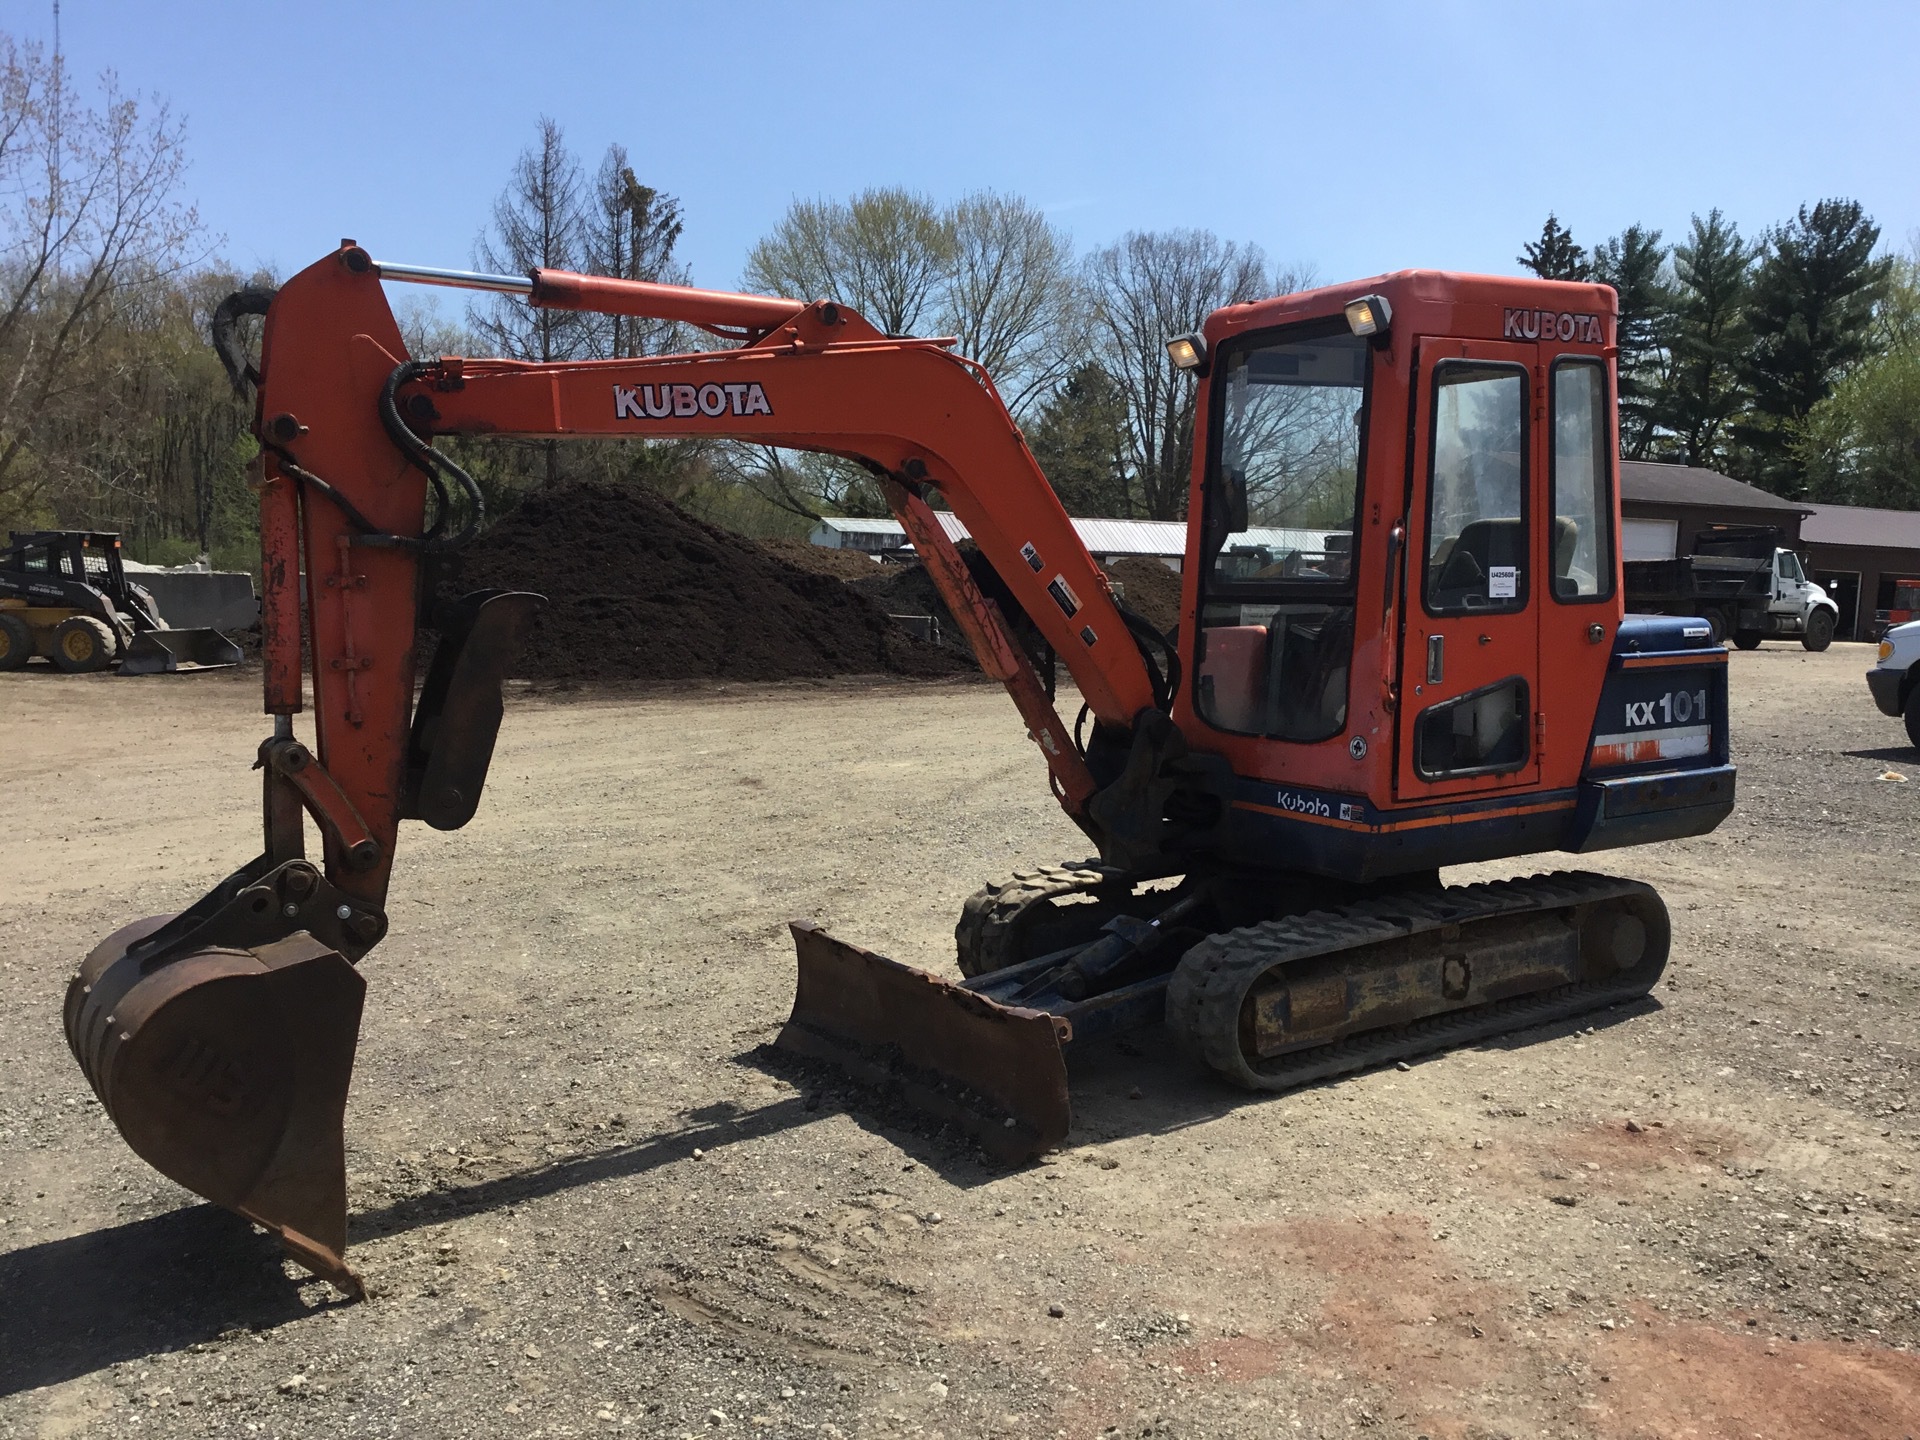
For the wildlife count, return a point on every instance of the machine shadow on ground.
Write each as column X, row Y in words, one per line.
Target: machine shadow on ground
column 713, row 1127
column 71, row 1307
column 1891, row 754
column 1143, row 1085
column 1128, row 1086
column 74, row 1306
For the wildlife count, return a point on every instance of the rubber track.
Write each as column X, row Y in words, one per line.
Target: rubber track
column 986, row 937
column 1213, row 979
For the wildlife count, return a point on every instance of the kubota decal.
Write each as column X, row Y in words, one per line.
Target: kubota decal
column 1552, row 325
column 657, row 402
column 1301, row 804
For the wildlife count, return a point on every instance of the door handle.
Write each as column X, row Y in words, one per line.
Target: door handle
column 1436, row 659
column 1396, row 538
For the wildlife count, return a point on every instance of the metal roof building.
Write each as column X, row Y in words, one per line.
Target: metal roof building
column 1664, row 507
column 1164, row 540
column 1864, row 557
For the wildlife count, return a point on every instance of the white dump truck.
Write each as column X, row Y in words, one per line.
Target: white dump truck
column 1743, row 582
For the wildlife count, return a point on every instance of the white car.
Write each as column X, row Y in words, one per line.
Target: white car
column 1895, row 681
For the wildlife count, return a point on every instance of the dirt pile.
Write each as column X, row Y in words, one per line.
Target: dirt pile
column 1151, row 590
column 640, row 590
column 909, row 590
column 822, row 560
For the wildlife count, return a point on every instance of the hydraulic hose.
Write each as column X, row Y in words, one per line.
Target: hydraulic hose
column 430, row 460
column 242, row 373
column 1163, row 672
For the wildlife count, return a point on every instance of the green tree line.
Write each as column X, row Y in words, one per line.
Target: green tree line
column 1791, row 360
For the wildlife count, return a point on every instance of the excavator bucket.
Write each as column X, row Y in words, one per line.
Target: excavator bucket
column 997, row 1071
column 226, row 1070
column 161, row 652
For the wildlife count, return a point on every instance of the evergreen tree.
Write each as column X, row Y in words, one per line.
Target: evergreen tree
column 1861, row 445
column 1632, row 262
column 1811, row 314
column 1708, row 341
column 1080, row 440
column 628, row 230
column 1554, row 256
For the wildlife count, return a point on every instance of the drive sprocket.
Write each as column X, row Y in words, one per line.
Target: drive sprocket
column 1008, row 921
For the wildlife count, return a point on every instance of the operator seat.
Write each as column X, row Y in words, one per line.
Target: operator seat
column 1306, row 674
column 1566, row 544
column 1482, row 545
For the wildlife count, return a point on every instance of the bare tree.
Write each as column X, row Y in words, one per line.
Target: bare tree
column 988, row 269
column 885, row 252
column 1009, row 295
column 88, row 219
column 1141, row 292
column 798, row 482
column 539, row 223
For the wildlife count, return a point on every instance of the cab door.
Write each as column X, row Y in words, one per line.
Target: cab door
column 1470, row 663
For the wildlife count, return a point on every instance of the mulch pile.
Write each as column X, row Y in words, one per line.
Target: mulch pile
column 1149, row 589
column 637, row 589
column 908, row 590
column 640, row 590
column 822, row 560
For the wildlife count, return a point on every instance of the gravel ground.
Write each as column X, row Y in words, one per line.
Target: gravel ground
column 587, row 1204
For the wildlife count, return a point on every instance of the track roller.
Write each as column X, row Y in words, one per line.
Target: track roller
column 1306, row 997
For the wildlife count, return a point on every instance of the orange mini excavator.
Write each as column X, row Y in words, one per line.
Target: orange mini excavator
column 1401, row 646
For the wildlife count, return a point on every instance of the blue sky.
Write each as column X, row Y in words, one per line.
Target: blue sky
column 1354, row 138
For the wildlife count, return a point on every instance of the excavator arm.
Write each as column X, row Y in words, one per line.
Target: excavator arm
column 221, row 1039
column 808, row 376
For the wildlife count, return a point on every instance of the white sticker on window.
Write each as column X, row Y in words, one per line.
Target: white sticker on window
column 1503, row 582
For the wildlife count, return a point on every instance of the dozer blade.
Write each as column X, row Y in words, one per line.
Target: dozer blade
column 226, row 1070
column 996, row 1071
column 161, row 652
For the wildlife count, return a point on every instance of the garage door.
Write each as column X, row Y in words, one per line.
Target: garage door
column 1649, row 539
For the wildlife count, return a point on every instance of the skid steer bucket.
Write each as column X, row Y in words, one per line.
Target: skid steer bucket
column 161, row 652
column 226, row 1070
column 997, row 1071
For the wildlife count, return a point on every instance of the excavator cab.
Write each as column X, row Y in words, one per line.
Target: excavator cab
column 1402, row 647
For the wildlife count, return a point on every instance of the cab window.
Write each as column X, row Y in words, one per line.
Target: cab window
column 1277, row 588
column 1481, row 733
column 1477, row 516
column 1580, row 547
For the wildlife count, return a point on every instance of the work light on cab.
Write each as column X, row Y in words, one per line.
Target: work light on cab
column 1188, row 352
column 1369, row 315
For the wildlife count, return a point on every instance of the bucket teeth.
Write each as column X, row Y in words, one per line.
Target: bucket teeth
column 227, row 1071
column 997, row 1071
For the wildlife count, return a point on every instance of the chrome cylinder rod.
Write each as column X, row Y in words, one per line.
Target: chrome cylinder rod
column 460, row 279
